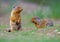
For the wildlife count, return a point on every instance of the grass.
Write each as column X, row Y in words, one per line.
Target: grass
column 34, row 35
column 3, row 26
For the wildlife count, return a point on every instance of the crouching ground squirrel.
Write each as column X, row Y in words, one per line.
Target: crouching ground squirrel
column 41, row 23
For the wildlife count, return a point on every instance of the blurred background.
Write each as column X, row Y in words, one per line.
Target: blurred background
column 31, row 8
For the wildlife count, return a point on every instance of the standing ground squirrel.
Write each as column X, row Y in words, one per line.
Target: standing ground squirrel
column 15, row 18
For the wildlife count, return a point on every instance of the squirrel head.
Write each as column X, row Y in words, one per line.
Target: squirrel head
column 17, row 9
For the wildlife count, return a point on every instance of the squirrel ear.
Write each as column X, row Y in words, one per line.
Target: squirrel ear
column 13, row 6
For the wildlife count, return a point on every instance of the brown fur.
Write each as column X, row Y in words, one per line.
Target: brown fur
column 40, row 23
column 15, row 18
